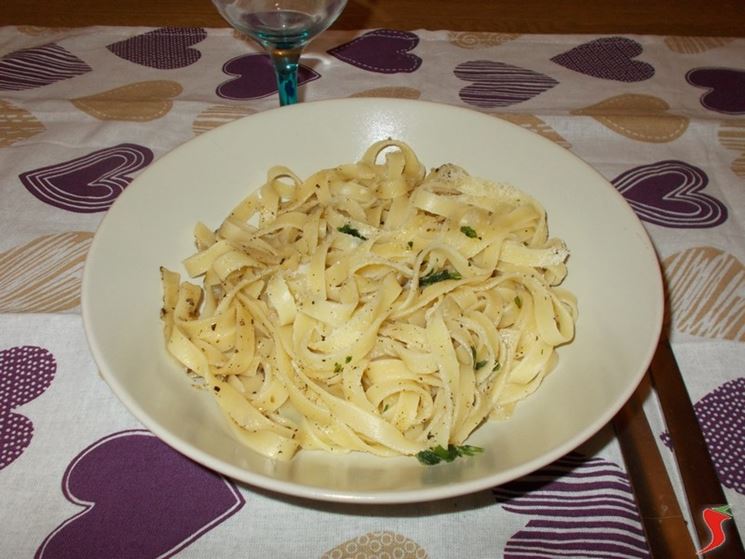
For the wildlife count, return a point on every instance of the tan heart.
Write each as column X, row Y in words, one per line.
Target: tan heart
column 245, row 38
column 44, row 274
column 534, row 124
column 16, row 124
column 695, row 45
column 639, row 117
column 377, row 544
column 36, row 31
column 396, row 92
column 706, row 291
column 732, row 136
column 479, row 39
column 141, row 101
column 217, row 115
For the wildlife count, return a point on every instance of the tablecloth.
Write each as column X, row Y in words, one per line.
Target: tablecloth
column 84, row 110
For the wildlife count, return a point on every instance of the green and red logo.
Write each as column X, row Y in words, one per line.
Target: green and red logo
column 715, row 517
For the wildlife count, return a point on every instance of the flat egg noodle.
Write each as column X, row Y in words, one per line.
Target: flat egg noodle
column 370, row 307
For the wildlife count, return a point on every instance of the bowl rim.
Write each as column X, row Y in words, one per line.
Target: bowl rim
column 316, row 493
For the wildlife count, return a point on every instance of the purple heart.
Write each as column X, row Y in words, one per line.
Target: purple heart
column 141, row 499
column 384, row 50
column 254, row 77
column 667, row 193
column 166, row 48
column 496, row 84
column 584, row 507
column 721, row 414
column 25, row 373
column 726, row 89
column 39, row 66
column 90, row 183
column 608, row 58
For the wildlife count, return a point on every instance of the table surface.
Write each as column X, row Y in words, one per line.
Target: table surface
column 721, row 18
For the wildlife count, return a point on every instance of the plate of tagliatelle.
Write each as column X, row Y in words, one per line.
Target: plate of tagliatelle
column 372, row 301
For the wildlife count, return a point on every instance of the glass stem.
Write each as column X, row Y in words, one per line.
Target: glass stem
column 285, row 68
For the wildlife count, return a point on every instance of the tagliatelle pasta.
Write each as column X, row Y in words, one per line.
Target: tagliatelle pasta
column 371, row 307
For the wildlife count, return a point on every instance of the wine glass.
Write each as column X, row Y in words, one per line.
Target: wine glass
column 282, row 28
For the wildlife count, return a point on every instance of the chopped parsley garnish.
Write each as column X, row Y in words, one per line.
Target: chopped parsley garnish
column 349, row 230
column 434, row 277
column 410, row 244
column 338, row 367
column 437, row 454
column 496, row 367
column 518, row 302
column 469, row 232
column 476, row 364
column 348, row 359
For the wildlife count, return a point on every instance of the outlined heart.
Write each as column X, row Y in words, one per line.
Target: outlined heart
column 639, row 117
column 668, row 193
column 17, row 124
column 217, row 115
column 706, row 293
column 141, row 499
column 535, row 125
column 44, row 275
column 386, row 51
column 479, row 39
column 390, row 92
column 39, row 31
column 39, row 66
column 167, row 48
column 25, row 373
column 721, row 414
column 254, row 77
column 497, row 84
column 138, row 102
column 90, row 183
column 695, row 45
column 608, row 58
column 579, row 498
column 732, row 136
column 725, row 88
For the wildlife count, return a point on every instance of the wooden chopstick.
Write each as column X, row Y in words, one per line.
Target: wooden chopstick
column 663, row 521
column 700, row 481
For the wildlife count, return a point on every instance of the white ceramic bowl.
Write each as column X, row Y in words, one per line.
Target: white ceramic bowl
column 612, row 269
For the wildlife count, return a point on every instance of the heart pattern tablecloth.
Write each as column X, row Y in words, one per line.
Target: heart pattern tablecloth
column 83, row 111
